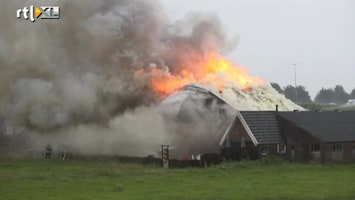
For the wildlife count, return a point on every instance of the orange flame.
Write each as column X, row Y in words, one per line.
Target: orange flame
column 213, row 71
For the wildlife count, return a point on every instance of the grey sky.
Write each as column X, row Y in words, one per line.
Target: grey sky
column 274, row 34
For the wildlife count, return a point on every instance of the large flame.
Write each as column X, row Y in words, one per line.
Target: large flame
column 211, row 71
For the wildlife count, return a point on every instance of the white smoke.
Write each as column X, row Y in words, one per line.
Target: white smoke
column 135, row 133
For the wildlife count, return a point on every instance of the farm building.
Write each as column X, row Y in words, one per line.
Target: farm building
column 300, row 136
column 319, row 136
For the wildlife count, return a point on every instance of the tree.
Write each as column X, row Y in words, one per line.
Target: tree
column 302, row 94
column 352, row 94
column 340, row 96
column 324, row 96
column 277, row 87
column 337, row 95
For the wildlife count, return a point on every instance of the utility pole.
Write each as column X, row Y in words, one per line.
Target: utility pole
column 296, row 93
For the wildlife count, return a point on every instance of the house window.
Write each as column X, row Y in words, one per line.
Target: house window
column 315, row 147
column 337, row 147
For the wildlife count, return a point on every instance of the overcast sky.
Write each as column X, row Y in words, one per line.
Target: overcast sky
column 274, row 34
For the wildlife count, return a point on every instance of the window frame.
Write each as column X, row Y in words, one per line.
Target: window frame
column 315, row 147
column 337, row 147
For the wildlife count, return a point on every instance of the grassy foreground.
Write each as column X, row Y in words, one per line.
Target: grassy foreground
column 98, row 180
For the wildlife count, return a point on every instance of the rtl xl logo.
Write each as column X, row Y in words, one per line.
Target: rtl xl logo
column 42, row 12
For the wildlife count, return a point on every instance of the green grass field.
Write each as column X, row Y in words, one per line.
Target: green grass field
column 97, row 180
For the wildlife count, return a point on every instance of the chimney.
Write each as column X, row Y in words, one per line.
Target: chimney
column 277, row 108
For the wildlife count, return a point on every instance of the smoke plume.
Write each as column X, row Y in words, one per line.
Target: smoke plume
column 73, row 80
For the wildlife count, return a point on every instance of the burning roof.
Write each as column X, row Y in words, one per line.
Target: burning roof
column 210, row 73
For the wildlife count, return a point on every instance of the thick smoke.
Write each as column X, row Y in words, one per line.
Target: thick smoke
column 72, row 81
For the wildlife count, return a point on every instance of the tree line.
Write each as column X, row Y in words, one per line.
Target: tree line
column 300, row 95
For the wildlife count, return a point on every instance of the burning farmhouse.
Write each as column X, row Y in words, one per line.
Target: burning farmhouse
column 203, row 103
column 124, row 79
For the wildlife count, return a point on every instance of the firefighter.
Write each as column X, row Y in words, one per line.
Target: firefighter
column 48, row 152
